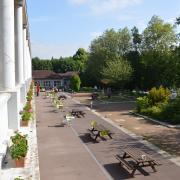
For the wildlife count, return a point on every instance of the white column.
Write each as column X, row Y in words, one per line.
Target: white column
column 19, row 44
column 25, row 54
column 27, row 60
column 7, row 47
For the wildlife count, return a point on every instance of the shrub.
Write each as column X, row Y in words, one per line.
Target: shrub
column 172, row 111
column 19, row 147
column 142, row 103
column 27, row 107
column 158, row 95
column 26, row 116
column 154, row 111
column 75, row 83
column 18, row 137
column 87, row 89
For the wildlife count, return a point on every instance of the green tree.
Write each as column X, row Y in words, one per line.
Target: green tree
column 75, row 83
column 81, row 58
column 117, row 71
column 158, row 35
column 178, row 20
column 111, row 45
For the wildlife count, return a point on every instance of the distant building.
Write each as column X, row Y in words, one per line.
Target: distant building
column 49, row 79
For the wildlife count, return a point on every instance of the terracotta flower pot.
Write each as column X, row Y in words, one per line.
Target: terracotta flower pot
column 20, row 162
column 24, row 123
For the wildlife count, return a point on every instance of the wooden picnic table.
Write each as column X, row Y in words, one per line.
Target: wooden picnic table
column 62, row 97
column 77, row 113
column 140, row 159
column 98, row 129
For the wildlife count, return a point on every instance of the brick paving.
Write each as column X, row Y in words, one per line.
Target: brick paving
column 63, row 156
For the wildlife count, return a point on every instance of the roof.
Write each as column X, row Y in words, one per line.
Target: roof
column 68, row 74
column 47, row 74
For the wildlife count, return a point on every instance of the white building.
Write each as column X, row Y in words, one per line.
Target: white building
column 15, row 66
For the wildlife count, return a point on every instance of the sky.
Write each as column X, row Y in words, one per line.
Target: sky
column 59, row 27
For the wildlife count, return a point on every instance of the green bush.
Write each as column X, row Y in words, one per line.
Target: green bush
column 172, row 111
column 27, row 107
column 154, row 112
column 160, row 95
column 87, row 89
column 75, row 83
column 142, row 103
column 26, row 116
column 19, row 147
column 18, row 137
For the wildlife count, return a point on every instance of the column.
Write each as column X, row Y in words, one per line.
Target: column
column 7, row 45
column 24, row 53
column 19, row 43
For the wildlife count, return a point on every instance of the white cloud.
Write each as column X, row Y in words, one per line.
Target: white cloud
column 101, row 7
column 44, row 51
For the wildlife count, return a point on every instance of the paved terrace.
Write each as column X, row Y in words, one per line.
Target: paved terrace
column 68, row 153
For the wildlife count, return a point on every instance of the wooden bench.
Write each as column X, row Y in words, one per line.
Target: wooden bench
column 97, row 130
column 77, row 113
column 122, row 161
column 139, row 159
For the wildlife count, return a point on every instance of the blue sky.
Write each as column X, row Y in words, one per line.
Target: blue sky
column 60, row 27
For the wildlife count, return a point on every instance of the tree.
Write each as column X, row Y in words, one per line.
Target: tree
column 117, row 71
column 178, row 20
column 75, row 83
column 137, row 38
column 158, row 36
column 111, row 45
column 81, row 58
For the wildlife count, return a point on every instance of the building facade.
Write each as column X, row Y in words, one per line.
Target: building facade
column 15, row 66
column 49, row 79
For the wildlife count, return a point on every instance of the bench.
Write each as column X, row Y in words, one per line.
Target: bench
column 77, row 113
column 122, row 161
column 138, row 158
column 97, row 131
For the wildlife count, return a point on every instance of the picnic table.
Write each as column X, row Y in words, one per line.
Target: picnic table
column 140, row 159
column 62, row 97
column 77, row 113
column 99, row 131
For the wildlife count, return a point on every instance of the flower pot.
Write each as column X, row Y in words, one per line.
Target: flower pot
column 24, row 123
column 20, row 162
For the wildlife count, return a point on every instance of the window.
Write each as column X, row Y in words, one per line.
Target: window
column 47, row 83
column 57, row 84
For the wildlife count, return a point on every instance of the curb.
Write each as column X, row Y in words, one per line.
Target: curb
column 156, row 121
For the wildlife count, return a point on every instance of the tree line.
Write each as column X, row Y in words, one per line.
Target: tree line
column 126, row 58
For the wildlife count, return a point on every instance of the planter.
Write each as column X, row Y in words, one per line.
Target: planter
column 20, row 162
column 24, row 123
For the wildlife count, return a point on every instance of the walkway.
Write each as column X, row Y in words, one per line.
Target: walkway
column 63, row 155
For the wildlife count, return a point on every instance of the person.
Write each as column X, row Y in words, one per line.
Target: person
column 37, row 89
column 109, row 92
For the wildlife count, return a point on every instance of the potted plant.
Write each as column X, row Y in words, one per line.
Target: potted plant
column 26, row 116
column 27, row 106
column 18, row 178
column 18, row 149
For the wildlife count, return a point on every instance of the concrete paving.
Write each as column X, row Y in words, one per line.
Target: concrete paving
column 62, row 156
column 69, row 153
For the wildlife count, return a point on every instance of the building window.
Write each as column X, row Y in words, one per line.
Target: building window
column 47, row 84
column 57, row 84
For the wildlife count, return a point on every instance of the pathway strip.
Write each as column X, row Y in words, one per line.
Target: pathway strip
column 61, row 154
